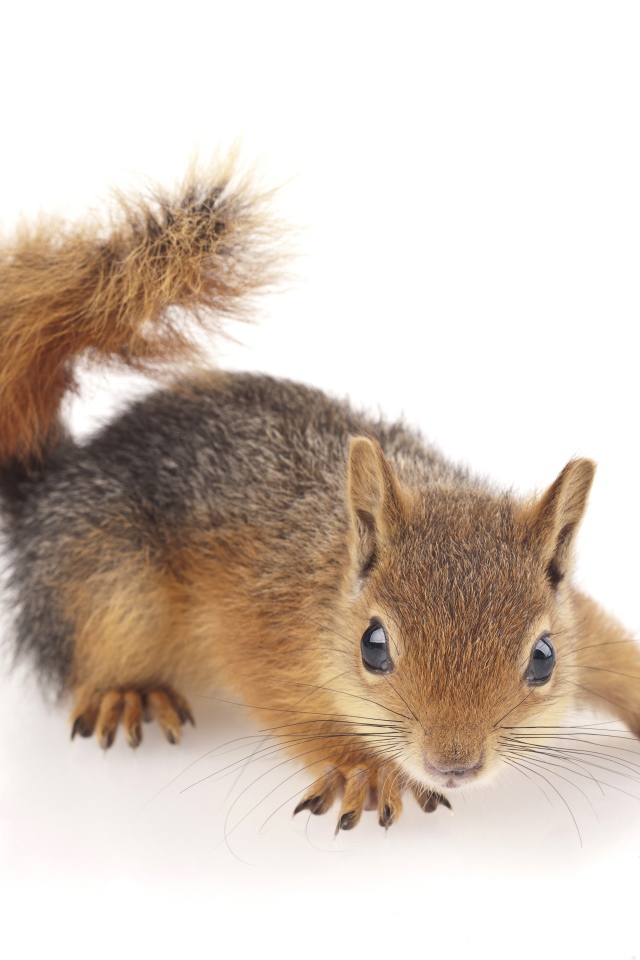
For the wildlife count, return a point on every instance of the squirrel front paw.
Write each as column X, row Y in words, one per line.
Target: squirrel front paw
column 364, row 789
column 101, row 711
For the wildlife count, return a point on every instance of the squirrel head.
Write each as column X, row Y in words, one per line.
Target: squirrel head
column 462, row 606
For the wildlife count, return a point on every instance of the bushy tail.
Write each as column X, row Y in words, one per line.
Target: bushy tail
column 121, row 292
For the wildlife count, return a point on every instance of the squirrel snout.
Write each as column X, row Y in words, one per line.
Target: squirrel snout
column 454, row 772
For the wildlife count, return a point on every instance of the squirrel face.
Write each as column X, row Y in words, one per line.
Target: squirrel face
column 465, row 615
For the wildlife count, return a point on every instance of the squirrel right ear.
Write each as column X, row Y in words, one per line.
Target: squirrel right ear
column 557, row 515
column 374, row 498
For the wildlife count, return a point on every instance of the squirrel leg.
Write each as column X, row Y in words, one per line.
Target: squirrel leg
column 101, row 711
column 607, row 664
column 128, row 649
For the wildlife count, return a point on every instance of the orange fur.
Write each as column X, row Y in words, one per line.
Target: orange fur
column 607, row 657
column 259, row 548
column 218, row 609
column 120, row 294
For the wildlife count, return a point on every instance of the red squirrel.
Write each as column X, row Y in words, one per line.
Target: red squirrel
column 403, row 621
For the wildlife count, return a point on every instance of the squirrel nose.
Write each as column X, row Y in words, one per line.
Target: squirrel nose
column 459, row 771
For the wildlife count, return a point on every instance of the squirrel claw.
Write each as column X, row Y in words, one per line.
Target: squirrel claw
column 363, row 788
column 366, row 789
column 312, row 804
column 390, row 789
column 347, row 821
column 386, row 816
column 82, row 726
column 430, row 800
column 323, row 791
column 101, row 712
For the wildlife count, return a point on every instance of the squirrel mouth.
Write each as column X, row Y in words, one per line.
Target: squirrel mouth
column 452, row 783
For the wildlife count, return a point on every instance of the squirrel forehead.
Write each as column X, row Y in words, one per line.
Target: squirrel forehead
column 470, row 564
column 465, row 537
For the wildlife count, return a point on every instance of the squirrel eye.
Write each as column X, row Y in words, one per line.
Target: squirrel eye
column 542, row 662
column 375, row 649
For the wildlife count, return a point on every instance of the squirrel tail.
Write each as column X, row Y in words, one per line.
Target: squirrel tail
column 122, row 292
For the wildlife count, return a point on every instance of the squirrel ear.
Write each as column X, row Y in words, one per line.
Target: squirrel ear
column 374, row 497
column 557, row 516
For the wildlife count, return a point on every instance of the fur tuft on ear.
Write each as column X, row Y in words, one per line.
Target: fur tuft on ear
column 374, row 498
column 555, row 518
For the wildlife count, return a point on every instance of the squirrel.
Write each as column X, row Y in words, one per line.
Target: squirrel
column 398, row 625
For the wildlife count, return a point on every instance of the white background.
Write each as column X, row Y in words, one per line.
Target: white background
column 467, row 179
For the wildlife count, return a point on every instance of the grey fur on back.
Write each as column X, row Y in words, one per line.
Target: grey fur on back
column 227, row 448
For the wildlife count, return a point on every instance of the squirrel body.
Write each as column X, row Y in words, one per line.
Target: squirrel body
column 249, row 469
column 395, row 622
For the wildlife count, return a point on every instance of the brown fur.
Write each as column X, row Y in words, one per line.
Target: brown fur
column 607, row 664
column 68, row 289
column 220, row 603
column 263, row 566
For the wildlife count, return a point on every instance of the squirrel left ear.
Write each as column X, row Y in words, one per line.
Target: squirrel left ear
column 557, row 515
column 374, row 498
